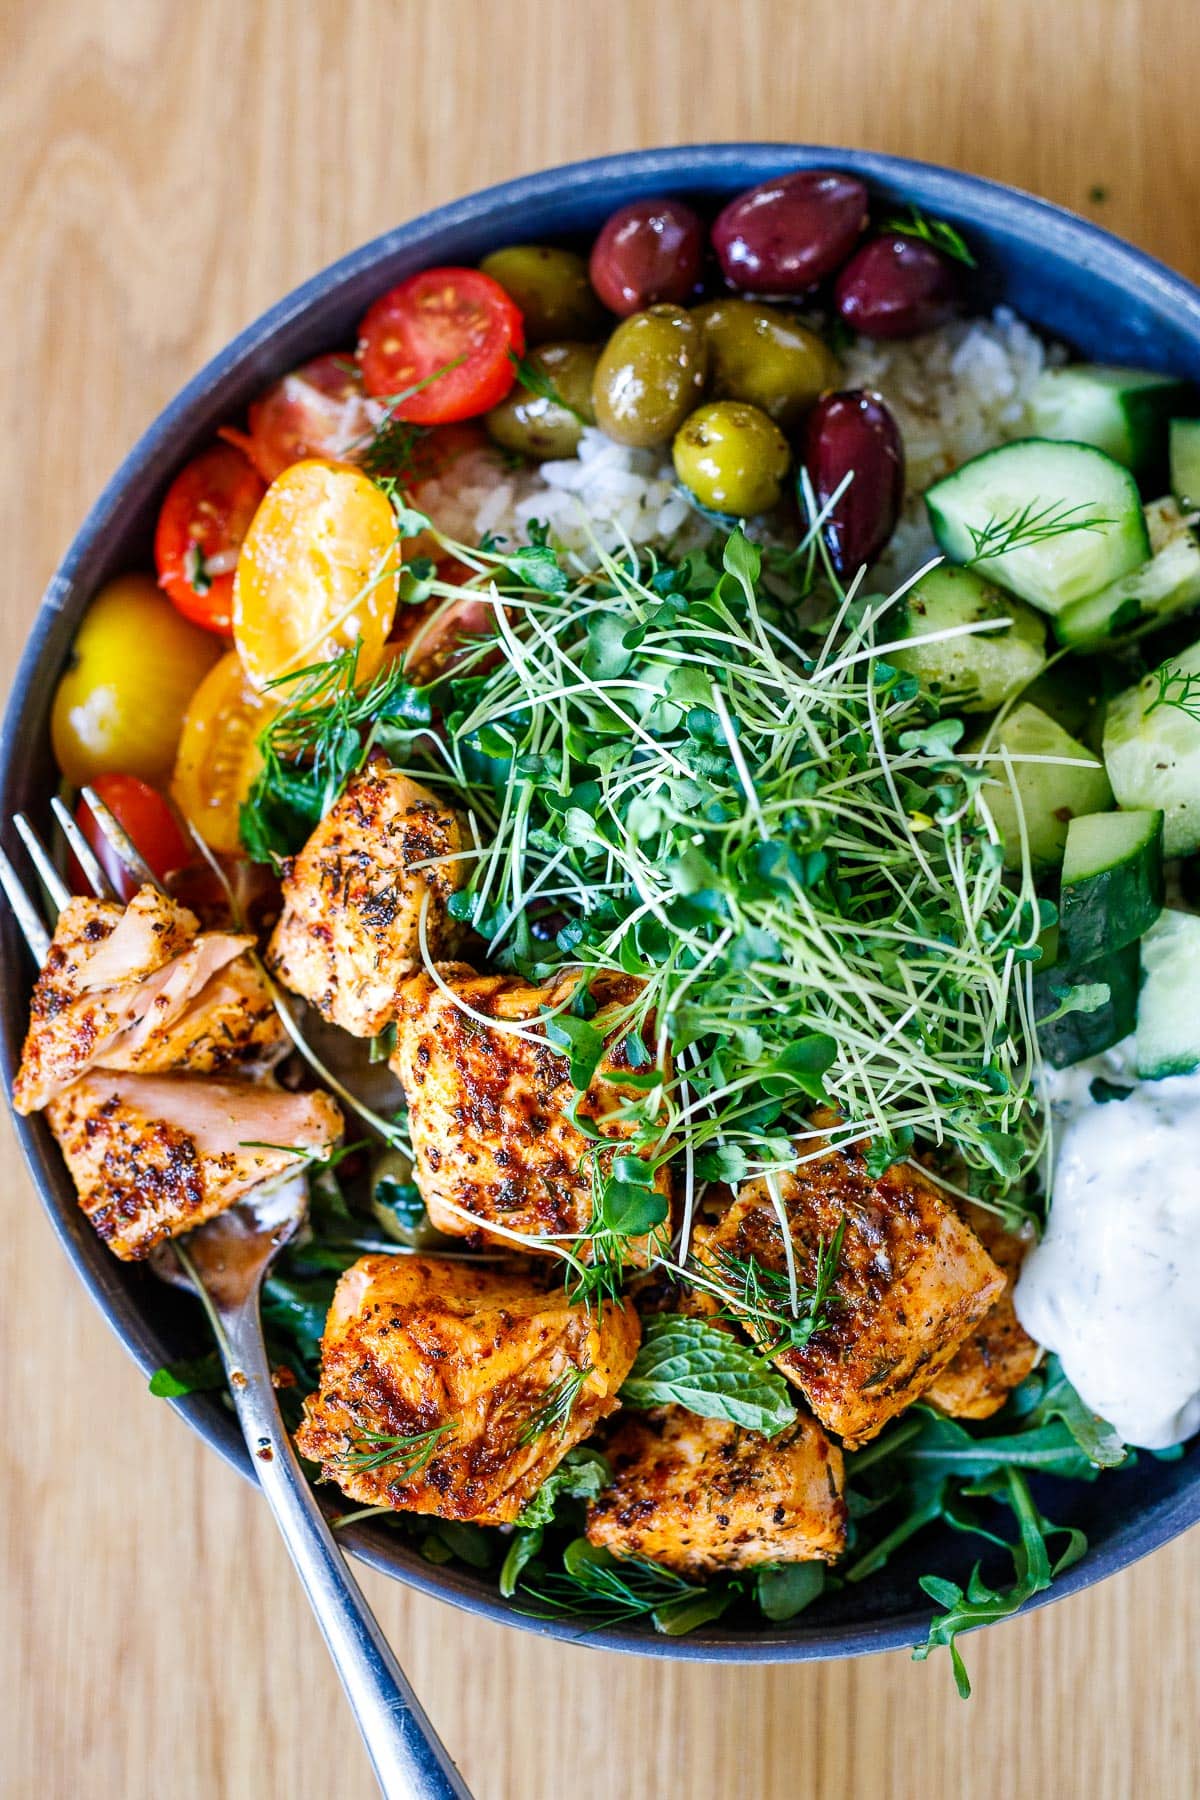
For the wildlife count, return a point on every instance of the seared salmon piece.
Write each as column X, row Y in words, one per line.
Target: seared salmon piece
column 141, row 987
column 488, row 1105
column 349, row 931
column 477, row 1366
column 155, row 1155
column 999, row 1353
column 701, row 1496
column 912, row 1280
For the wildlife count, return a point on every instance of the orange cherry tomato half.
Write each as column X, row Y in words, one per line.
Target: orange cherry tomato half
column 317, row 573
column 148, row 820
column 203, row 521
column 317, row 410
column 434, row 320
column 218, row 753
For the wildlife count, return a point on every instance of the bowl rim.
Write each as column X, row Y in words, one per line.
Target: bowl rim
column 685, row 167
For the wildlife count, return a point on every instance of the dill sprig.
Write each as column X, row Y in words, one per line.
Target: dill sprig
column 600, row 1591
column 938, row 232
column 373, row 1450
column 1178, row 689
column 1032, row 524
column 554, row 1414
column 780, row 1315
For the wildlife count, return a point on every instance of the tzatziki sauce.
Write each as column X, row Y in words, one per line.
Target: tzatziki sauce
column 1114, row 1285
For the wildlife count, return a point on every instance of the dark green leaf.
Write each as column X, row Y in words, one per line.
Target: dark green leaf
column 688, row 1362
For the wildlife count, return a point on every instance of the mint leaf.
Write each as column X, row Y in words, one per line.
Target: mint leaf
column 688, row 1362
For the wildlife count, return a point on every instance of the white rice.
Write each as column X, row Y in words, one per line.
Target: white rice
column 953, row 392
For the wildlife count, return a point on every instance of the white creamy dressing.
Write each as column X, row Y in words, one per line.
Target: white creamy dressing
column 1114, row 1286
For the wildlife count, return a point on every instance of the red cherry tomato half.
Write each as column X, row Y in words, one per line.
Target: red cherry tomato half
column 205, row 516
column 317, row 410
column 443, row 317
column 147, row 819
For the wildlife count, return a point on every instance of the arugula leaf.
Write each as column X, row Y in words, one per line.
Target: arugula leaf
column 689, row 1362
column 191, row 1375
column 979, row 1604
column 1094, row 1435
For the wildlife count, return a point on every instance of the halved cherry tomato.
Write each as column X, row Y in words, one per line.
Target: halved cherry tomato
column 317, row 410
column 134, row 666
column 148, row 820
column 203, row 521
column 317, row 573
column 440, row 318
column 218, row 753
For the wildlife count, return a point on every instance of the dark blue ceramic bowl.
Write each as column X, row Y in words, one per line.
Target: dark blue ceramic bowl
column 1109, row 301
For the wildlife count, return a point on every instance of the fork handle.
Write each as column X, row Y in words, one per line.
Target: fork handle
column 409, row 1759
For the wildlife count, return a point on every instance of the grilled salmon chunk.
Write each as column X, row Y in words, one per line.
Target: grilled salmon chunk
column 475, row 1365
column 701, row 1496
column 912, row 1280
column 999, row 1353
column 155, row 1155
column 353, row 897
column 142, row 988
column 488, row 1103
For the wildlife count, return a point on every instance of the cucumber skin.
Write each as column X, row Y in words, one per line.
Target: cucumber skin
column 1141, row 402
column 1076, row 1036
column 1102, row 913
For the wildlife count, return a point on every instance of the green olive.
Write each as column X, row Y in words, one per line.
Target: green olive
column 552, row 289
column 732, row 458
column 533, row 423
column 764, row 356
column 650, row 375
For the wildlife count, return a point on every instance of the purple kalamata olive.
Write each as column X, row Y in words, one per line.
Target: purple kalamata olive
column 785, row 236
column 896, row 286
column 648, row 252
column 853, row 433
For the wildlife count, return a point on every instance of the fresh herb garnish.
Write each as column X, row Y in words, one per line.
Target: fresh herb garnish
column 689, row 1362
column 554, row 1414
column 1176, row 689
column 600, row 1590
column 195, row 570
column 938, row 232
column 409, row 1455
column 780, row 1314
column 1032, row 524
column 191, row 1375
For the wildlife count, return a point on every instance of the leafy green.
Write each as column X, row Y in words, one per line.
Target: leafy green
column 785, row 1591
column 581, row 1475
column 601, row 1590
column 938, row 232
column 191, row 1375
column 689, row 1362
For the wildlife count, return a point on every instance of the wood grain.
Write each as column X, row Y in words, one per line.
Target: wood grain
column 169, row 170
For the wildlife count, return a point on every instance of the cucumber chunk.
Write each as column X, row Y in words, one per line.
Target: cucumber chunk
column 1123, row 412
column 1184, row 440
column 1078, row 1035
column 978, row 671
column 1152, row 749
column 1047, row 794
column 1168, row 1012
column 1168, row 584
column 1072, row 516
column 1112, row 883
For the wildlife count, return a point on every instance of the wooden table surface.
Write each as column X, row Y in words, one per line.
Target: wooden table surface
column 169, row 169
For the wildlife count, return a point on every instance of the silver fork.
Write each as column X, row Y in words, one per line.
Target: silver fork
column 224, row 1262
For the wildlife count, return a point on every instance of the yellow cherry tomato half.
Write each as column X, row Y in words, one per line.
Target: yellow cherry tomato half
column 134, row 665
column 317, row 573
column 218, row 753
